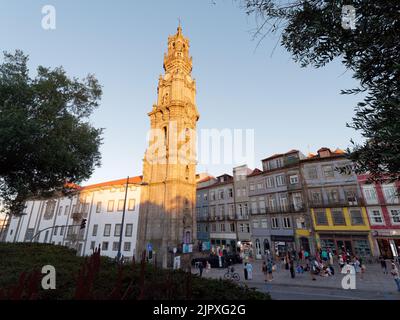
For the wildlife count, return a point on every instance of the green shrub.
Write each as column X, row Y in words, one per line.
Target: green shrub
column 158, row 284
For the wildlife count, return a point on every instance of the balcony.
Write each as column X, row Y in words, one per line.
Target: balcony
column 287, row 209
column 356, row 202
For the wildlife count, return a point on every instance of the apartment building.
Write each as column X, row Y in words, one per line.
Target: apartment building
column 382, row 201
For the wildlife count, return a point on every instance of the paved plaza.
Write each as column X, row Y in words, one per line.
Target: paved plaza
column 374, row 286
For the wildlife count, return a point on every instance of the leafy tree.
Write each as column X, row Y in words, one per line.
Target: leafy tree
column 46, row 141
column 312, row 32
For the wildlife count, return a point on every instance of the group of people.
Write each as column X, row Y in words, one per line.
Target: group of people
column 394, row 271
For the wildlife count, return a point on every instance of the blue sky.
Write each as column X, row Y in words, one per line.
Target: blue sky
column 239, row 85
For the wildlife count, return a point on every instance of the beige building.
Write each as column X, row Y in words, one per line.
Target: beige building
column 167, row 221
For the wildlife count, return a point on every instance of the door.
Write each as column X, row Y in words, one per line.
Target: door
column 258, row 249
column 346, row 244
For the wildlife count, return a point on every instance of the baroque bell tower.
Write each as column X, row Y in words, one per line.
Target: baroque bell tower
column 167, row 213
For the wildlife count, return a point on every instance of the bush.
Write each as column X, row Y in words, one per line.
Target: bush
column 101, row 278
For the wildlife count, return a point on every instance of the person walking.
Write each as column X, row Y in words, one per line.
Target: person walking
column 264, row 271
column 383, row 264
column 291, row 268
column 330, row 256
column 270, row 269
column 396, row 276
column 245, row 271
column 201, row 267
column 249, row 271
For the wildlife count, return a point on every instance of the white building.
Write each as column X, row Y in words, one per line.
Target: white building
column 58, row 220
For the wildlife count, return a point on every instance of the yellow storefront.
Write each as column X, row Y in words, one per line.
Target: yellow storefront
column 345, row 228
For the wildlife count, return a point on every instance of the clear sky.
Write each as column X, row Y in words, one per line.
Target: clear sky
column 239, row 85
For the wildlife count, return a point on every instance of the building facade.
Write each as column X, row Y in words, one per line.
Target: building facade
column 58, row 220
column 383, row 207
column 336, row 207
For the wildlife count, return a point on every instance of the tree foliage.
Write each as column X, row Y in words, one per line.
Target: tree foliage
column 46, row 140
column 312, row 32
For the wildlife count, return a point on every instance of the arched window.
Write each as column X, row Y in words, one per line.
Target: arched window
column 165, row 131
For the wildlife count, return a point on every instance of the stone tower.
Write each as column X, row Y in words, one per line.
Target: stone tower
column 167, row 212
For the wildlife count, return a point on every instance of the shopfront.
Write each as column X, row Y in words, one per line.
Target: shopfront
column 388, row 243
column 355, row 244
column 282, row 244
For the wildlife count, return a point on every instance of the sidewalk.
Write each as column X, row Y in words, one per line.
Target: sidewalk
column 373, row 281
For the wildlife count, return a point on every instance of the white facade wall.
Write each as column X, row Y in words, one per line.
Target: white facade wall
column 91, row 204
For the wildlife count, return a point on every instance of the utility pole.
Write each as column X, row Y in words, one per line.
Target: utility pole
column 122, row 222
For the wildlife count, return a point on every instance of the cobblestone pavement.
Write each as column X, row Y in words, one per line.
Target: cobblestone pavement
column 374, row 285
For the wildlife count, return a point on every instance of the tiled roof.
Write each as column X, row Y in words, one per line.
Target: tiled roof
column 137, row 180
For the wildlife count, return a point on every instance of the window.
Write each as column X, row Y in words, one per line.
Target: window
column 321, row 218
column 60, row 210
column 256, row 223
column 301, row 223
column 286, row 223
column 252, row 187
column 29, row 234
column 333, row 195
column 283, row 201
column 46, row 236
column 115, row 246
column 69, row 230
column 244, row 192
column 221, row 210
column 222, row 227
column 104, row 246
column 338, row 217
column 278, row 163
column 110, row 207
column 260, row 186
column 270, row 182
column 248, row 227
column 272, row 204
column 253, row 207
column 107, row 230
column 264, row 223
column 213, row 227
column 213, row 195
column 230, row 192
column 127, row 246
column 117, row 230
column 98, row 207
column 241, row 227
column 312, row 173
column 128, row 230
column 361, row 248
column 356, row 217
column 220, row 194
column 328, row 171
column 92, row 245
column 370, row 195
column 395, row 215
column 131, row 204
column 94, row 231
column 121, row 205
column 375, row 216
column 294, row 179
column 390, row 193
column 261, row 204
column 62, row 231
column 280, row 180
column 232, row 227
column 316, row 197
column 55, row 230
column 275, row 223
column 66, row 210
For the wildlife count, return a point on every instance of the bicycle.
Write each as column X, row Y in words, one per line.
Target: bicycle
column 231, row 274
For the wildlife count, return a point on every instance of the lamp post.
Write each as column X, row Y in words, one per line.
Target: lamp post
column 122, row 222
